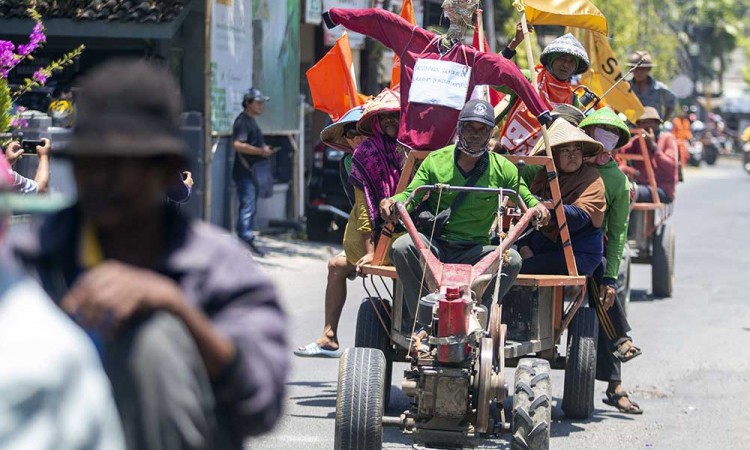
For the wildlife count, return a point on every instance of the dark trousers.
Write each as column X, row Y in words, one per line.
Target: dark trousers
column 247, row 195
column 613, row 330
column 643, row 194
column 162, row 389
column 406, row 260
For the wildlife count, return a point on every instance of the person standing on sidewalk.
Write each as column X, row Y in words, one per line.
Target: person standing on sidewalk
column 250, row 148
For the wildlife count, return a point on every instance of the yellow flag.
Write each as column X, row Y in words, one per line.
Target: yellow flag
column 569, row 13
column 604, row 72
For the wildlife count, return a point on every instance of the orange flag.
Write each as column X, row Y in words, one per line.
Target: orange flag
column 332, row 81
column 407, row 12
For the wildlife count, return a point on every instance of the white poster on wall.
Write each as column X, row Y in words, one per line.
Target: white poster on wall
column 356, row 40
column 313, row 11
column 231, row 60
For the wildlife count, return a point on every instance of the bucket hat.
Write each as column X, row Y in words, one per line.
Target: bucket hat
column 568, row 45
column 605, row 116
column 128, row 108
column 650, row 113
column 389, row 100
column 635, row 57
column 333, row 134
column 12, row 202
column 561, row 132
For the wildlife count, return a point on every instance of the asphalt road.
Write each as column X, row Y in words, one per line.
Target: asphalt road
column 693, row 379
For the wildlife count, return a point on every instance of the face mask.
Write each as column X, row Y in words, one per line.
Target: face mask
column 607, row 138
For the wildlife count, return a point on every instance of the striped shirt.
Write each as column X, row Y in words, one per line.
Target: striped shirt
column 22, row 184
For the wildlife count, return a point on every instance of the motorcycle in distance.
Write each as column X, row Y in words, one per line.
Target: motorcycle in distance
column 746, row 156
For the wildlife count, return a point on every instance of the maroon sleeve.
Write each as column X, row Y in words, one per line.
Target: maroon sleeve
column 390, row 29
column 495, row 70
column 667, row 156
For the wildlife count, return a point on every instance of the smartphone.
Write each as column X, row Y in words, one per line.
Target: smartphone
column 275, row 149
column 29, row 145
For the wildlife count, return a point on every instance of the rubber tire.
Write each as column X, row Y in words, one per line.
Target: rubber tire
column 532, row 405
column 359, row 400
column 746, row 161
column 662, row 261
column 317, row 225
column 710, row 155
column 623, row 280
column 580, row 365
column 370, row 334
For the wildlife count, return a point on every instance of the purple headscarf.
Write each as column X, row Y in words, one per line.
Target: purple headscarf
column 376, row 169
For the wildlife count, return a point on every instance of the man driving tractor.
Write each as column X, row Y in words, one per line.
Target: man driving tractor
column 465, row 237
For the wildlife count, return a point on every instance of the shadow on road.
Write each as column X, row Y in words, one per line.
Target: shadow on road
column 641, row 295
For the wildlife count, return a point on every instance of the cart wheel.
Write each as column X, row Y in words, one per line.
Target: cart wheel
column 623, row 280
column 662, row 265
column 371, row 334
column 580, row 365
column 710, row 154
column 532, row 405
column 359, row 400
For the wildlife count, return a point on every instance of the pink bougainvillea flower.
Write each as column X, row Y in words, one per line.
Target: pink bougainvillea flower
column 40, row 76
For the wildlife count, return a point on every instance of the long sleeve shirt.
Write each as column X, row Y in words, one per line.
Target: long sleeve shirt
column 217, row 277
column 430, row 127
column 664, row 162
column 615, row 225
column 471, row 221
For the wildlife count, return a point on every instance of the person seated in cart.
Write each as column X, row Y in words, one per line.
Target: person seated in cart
column 465, row 237
column 615, row 346
column 582, row 191
column 561, row 60
column 664, row 155
column 375, row 171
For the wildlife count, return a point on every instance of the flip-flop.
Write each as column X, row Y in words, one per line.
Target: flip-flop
column 627, row 355
column 314, row 350
column 613, row 398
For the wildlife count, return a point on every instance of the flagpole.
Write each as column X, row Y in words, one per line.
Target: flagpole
column 480, row 26
column 530, row 58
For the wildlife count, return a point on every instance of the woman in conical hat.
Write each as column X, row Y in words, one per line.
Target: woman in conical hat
column 584, row 203
column 375, row 171
column 562, row 59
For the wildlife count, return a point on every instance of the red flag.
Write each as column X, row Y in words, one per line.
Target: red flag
column 332, row 81
column 495, row 97
column 407, row 12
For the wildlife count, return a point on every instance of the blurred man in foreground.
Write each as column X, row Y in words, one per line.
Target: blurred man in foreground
column 189, row 326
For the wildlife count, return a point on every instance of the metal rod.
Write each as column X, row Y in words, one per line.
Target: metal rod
column 449, row 188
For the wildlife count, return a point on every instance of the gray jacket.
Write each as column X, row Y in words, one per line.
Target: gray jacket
column 218, row 276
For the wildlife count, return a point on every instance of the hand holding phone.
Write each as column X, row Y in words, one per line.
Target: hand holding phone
column 29, row 146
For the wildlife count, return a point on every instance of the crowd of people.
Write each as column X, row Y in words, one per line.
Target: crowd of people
column 597, row 187
column 177, row 339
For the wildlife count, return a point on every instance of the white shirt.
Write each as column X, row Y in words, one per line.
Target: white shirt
column 53, row 390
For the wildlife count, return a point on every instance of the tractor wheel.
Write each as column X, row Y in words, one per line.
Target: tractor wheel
column 359, row 400
column 710, row 154
column 623, row 280
column 580, row 365
column 371, row 334
column 318, row 225
column 662, row 263
column 532, row 405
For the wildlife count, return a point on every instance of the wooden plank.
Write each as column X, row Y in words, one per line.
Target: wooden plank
column 549, row 280
column 647, row 206
column 380, row 271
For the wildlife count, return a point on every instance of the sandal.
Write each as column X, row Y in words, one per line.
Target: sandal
column 314, row 350
column 625, row 355
column 613, row 399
